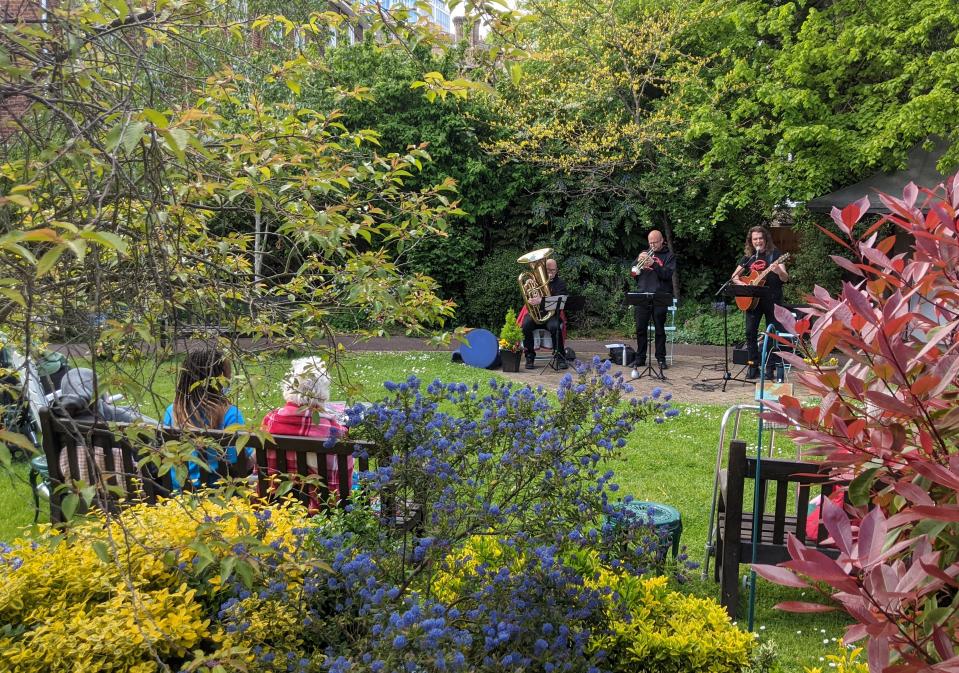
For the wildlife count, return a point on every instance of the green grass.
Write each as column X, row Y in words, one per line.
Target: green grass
column 671, row 463
column 674, row 463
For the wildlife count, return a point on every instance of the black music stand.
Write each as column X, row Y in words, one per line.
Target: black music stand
column 649, row 300
column 730, row 290
column 561, row 302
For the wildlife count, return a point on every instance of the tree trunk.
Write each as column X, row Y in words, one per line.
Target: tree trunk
column 258, row 236
column 668, row 233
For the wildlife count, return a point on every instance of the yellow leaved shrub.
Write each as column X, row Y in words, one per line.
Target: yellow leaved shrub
column 647, row 627
column 135, row 591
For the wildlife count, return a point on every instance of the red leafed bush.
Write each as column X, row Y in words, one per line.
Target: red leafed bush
column 889, row 422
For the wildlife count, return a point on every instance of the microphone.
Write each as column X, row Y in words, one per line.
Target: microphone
column 749, row 261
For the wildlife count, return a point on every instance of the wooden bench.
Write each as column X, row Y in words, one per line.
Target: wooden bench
column 735, row 527
column 120, row 471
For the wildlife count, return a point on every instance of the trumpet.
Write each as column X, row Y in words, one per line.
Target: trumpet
column 643, row 261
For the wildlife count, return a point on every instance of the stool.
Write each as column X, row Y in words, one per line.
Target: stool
column 39, row 482
column 666, row 520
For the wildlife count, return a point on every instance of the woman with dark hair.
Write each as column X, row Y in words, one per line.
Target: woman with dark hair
column 200, row 402
column 761, row 254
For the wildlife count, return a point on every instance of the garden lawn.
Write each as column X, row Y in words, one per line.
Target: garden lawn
column 671, row 463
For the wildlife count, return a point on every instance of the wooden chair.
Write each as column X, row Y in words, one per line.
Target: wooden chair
column 735, row 526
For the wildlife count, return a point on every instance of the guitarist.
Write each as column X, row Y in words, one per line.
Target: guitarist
column 760, row 254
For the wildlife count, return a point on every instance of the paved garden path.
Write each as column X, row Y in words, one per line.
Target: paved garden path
column 695, row 377
column 686, row 379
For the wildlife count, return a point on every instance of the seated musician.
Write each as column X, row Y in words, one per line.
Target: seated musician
column 760, row 253
column 554, row 325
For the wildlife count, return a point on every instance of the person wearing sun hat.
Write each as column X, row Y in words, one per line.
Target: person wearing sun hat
column 307, row 413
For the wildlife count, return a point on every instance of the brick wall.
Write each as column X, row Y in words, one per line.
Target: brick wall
column 16, row 11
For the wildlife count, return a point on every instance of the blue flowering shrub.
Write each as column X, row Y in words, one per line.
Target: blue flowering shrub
column 485, row 539
column 519, row 560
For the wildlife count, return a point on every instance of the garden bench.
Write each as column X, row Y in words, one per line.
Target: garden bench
column 735, row 527
column 120, row 478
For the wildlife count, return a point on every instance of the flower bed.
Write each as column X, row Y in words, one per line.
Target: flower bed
column 520, row 561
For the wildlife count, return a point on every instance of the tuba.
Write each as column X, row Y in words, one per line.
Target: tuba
column 535, row 282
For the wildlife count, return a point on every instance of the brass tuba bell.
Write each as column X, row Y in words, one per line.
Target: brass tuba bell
column 535, row 282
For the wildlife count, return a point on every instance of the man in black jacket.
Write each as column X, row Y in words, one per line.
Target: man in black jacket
column 554, row 325
column 655, row 276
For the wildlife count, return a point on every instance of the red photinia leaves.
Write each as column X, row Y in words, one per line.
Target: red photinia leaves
column 846, row 218
column 780, row 576
column 802, row 606
column 887, row 424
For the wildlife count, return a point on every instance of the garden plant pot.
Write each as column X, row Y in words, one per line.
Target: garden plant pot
column 510, row 360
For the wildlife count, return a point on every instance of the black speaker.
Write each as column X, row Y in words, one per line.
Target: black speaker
column 740, row 355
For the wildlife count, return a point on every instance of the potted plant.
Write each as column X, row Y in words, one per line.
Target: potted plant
column 510, row 343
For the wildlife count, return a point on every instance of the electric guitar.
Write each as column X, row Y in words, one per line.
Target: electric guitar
column 756, row 279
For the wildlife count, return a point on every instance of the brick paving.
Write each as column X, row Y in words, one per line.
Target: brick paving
column 695, row 377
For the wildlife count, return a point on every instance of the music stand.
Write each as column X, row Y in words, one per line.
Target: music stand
column 558, row 303
column 647, row 299
column 731, row 290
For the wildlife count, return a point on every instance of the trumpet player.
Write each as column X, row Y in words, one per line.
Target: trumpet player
column 654, row 275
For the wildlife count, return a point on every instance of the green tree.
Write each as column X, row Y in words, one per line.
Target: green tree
column 115, row 183
column 803, row 97
column 373, row 87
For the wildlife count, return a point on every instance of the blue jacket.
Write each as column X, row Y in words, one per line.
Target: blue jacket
column 233, row 416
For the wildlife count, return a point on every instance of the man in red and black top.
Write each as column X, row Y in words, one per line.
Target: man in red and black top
column 759, row 255
column 656, row 277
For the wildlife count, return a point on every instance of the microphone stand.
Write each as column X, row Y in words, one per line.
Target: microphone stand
column 728, row 375
column 733, row 277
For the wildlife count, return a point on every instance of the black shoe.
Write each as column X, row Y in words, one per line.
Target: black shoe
column 770, row 374
column 752, row 372
column 662, row 364
column 530, row 363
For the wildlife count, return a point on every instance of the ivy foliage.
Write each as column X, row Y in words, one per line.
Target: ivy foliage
column 804, row 97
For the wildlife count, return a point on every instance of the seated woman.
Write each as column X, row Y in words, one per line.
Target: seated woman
column 306, row 389
column 200, row 402
column 77, row 402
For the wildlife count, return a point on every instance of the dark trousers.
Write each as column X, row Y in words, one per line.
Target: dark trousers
column 642, row 329
column 555, row 328
column 752, row 317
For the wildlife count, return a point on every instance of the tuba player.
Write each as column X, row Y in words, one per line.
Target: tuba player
column 654, row 275
column 554, row 325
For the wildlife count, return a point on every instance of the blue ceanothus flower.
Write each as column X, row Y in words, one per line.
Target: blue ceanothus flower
column 451, row 463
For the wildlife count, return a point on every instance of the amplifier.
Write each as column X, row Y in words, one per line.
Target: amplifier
column 740, row 355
